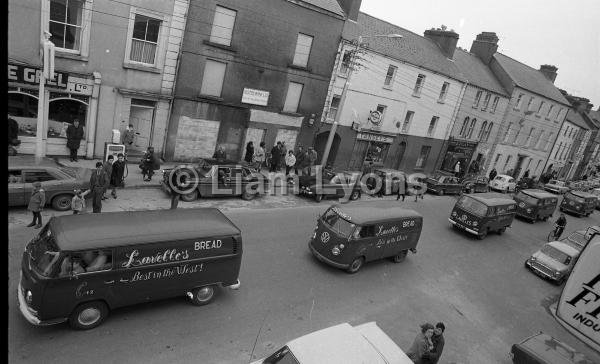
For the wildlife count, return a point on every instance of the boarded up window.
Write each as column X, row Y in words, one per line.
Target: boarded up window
column 222, row 28
column 212, row 80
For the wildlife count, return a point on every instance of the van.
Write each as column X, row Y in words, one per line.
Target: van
column 347, row 236
column 544, row 349
column 483, row 213
column 79, row 267
column 535, row 204
column 579, row 203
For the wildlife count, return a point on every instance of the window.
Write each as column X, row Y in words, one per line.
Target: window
column 15, row 176
column 519, row 101
column 422, row 160
column 389, row 77
column 506, row 163
column 507, row 133
column 495, row 104
column 489, row 131
column 529, row 104
column 540, row 108
column 548, row 142
column 558, row 114
column 85, row 262
column 292, row 99
column 432, row 125
column 528, row 140
column 333, row 107
column 477, row 98
column 486, row 101
column 222, row 28
column 566, row 130
column 144, row 39
column 539, row 141
column 212, row 80
column 66, row 23
column 537, row 166
column 38, row 176
column 557, row 150
column 482, row 131
column 365, row 231
column 463, row 129
column 346, row 59
column 407, row 119
column 550, row 111
column 444, row 92
column 517, row 134
column 496, row 160
column 471, row 128
column 303, row 45
column 419, row 85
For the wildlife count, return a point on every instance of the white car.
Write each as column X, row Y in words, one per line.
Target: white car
column 503, row 183
column 340, row 344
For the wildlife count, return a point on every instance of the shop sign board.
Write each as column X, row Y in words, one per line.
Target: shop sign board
column 375, row 137
column 31, row 75
column 255, row 97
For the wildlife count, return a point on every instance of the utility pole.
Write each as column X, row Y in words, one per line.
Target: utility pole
column 47, row 72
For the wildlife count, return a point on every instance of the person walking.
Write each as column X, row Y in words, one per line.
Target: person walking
column 457, row 169
column 312, row 159
column 249, row 157
column 75, row 133
column 118, row 171
column 128, row 137
column 284, row 152
column 299, row 160
column 149, row 164
column 437, row 339
column 493, row 174
column 259, row 156
column 275, row 157
column 98, row 182
column 108, row 168
column 36, row 204
column 220, row 153
column 403, row 189
column 422, row 344
column 290, row 162
column 78, row 201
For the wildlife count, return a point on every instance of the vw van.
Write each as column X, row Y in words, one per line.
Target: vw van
column 579, row 203
column 535, row 205
column 483, row 213
column 79, row 267
column 347, row 236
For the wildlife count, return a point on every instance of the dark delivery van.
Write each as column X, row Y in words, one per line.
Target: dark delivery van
column 81, row 266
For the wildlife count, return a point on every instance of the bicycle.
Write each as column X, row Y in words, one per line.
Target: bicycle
column 555, row 233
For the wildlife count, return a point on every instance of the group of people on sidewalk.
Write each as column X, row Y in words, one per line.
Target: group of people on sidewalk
column 300, row 161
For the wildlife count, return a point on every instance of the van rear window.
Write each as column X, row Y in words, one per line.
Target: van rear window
column 472, row 205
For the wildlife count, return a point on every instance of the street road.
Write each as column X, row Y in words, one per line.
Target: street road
column 479, row 289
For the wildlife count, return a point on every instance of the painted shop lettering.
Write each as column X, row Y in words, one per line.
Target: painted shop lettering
column 392, row 230
column 166, row 272
column 208, row 244
column 168, row 255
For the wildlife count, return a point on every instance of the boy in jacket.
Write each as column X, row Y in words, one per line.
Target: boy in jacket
column 36, row 205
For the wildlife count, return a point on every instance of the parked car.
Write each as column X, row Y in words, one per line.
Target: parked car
column 331, row 184
column 544, row 349
column 580, row 238
column 393, row 177
column 217, row 178
column 475, row 184
column 443, row 184
column 503, row 183
column 596, row 192
column 554, row 261
column 535, row 204
column 579, row 203
column 340, row 344
column 557, row 186
column 59, row 183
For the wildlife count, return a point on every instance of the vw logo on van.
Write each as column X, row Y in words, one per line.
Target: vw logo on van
column 325, row 237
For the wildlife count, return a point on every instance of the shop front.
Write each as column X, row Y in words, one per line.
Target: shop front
column 370, row 149
column 67, row 97
column 458, row 151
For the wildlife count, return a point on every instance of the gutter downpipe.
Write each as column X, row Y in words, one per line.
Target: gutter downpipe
column 450, row 127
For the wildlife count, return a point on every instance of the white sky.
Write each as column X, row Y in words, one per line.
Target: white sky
column 562, row 33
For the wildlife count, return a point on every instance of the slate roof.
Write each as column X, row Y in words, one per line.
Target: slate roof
column 411, row 48
column 329, row 5
column 529, row 78
column 476, row 72
column 575, row 118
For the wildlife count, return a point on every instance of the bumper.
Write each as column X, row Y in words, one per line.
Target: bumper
column 572, row 210
column 29, row 316
column 306, row 192
column 463, row 227
column 540, row 272
column 326, row 260
column 235, row 286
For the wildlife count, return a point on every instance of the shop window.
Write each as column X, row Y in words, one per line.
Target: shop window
column 302, row 52
column 376, row 152
column 222, row 28
column 422, row 160
column 23, row 109
column 63, row 112
column 333, row 107
column 212, row 79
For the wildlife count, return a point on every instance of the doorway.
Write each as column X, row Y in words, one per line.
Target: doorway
column 321, row 143
column 400, row 155
column 141, row 116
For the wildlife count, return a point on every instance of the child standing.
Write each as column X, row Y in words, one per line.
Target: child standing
column 78, row 202
column 36, row 205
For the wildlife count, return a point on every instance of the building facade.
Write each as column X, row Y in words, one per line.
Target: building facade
column 252, row 71
column 562, row 159
column 115, row 65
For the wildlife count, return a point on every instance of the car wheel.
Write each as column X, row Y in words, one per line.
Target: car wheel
column 559, row 281
column 62, row 202
column 440, row 193
column 318, row 197
column 88, row 315
column 400, row 257
column 356, row 264
column 189, row 197
column 248, row 195
column 203, row 295
column 355, row 195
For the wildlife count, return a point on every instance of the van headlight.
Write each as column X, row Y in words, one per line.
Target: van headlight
column 532, row 259
column 578, row 207
column 454, row 213
column 474, row 223
column 28, row 297
column 556, row 274
column 335, row 250
column 528, row 211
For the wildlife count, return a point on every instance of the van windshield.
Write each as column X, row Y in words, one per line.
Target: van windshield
column 43, row 252
column 526, row 198
column 338, row 224
column 556, row 254
column 472, row 205
column 576, row 198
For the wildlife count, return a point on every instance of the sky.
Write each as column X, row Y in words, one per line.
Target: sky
column 562, row 33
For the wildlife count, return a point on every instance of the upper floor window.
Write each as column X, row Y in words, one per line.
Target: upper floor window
column 495, row 104
column 345, row 65
column 482, row 130
column 222, row 29
column 517, row 134
column 407, row 120
column 303, row 46
column 212, row 79
column 539, row 111
column 519, row 101
column 486, row 101
column 550, row 111
column 488, row 132
column 333, row 107
column 419, row 85
column 68, row 24
column 507, row 133
column 540, row 139
column 444, row 91
column 144, row 39
column 292, row 99
column 463, row 129
column 548, row 141
column 566, row 130
column 477, row 98
column 471, row 128
column 528, row 140
column 389, row 77
column 558, row 150
column 558, row 114
column 529, row 104
column 432, row 125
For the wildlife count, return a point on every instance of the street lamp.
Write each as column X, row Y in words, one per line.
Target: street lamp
column 345, row 90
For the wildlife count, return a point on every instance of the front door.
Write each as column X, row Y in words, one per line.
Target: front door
column 141, row 118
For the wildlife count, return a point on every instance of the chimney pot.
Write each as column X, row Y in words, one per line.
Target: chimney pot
column 485, row 46
column 549, row 71
column 445, row 39
column 351, row 8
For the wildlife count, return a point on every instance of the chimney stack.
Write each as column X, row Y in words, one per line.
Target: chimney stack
column 351, row 8
column 549, row 71
column 445, row 39
column 485, row 46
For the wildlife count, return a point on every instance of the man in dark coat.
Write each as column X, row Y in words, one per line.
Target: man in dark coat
column 116, row 177
column 433, row 356
column 74, row 135
column 13, row 135
column 108, row 167
column 275, row 157
column 149, row 164
column 220, row 153
column 300, row 158
column 493, row 174
column 98, row 182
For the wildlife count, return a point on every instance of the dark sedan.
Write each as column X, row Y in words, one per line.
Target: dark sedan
column 444, row 184
column 59, row 183
column 331, row 184
column 475, row 184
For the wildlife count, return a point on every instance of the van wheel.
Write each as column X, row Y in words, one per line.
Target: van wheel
column 482, row 235
column 501, row 231
column 318, row 197
column 88, row 315
column 248, row 196
column 400, row 256
column 203, row 295
column 545, row 218
column 189, row 197
column 62, row 202
column 355, row 195
column 356, row 265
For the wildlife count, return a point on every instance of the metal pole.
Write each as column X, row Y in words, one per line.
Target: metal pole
column 39, row 142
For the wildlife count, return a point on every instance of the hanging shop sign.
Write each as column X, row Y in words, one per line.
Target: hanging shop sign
column 375, row 118
column 31, row 75
column 375, row 138
column 255, row 97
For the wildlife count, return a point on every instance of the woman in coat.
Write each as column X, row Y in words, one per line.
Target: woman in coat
column 36, row 205
column 422, row 344
column 249, row 157
column 290, row 161
column 74, row 135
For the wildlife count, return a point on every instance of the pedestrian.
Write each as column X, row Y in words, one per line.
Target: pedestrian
column 284, row 152
column 249, row 157
column 98, row 182
column 526, row 174
column 259, row 156
column 149, row 164
column 220, row 153
column 36, row 204
column 457, row 169
column 403, row 189
column 299, row 160
column 78, row 201
column 108, row 168
column 422, row 344
column 437, row 340
column 128, row 137
column 312, row 159
column 275, row 157
column 118, row 171
column 290, row 162
column 74, row 135
column 493, row 174
column 13, row 135
column 417, row 189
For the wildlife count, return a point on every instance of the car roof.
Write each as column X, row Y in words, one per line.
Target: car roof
column 503, row 176
column 538, row 193
column 582, row 194
column 545, row 347
column 124, row 228
column 370, row 212
column 564, row 247
column 492, row 199
column 389, row 170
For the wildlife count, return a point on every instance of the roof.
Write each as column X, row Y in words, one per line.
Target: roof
column 477, row 73
column 389, row 170
column 329, row 5
column 550, row 350
column 411, row 48
column 582, row 194
column 492, row 199
column 538, row 193
column 575, row 118
column 369, row 212
column 87, row 231
column 564, row 247
column 529, row 78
